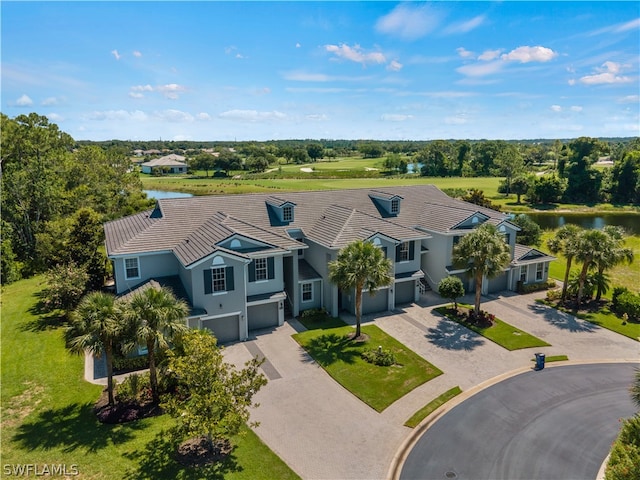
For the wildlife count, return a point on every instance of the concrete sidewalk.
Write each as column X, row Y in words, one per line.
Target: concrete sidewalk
column 324, row 432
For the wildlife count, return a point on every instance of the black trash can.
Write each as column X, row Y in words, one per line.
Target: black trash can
column 540, row 361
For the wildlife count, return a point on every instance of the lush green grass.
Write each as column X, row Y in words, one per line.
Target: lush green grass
column 500, row 332
column 553, row 358
column 47, row 413
column 622, row 275
column 430, row 407
column 377, row 386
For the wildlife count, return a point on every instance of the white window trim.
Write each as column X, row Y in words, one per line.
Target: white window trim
column 302, row 292
column 127, row 277
column 224, row 273
column 539, row 270
column 395, row 205
column 408, row 245
column 287, row 213
column 526, row 273
column 264, row 269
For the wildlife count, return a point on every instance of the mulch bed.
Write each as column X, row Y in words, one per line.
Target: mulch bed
column 123, row 412
column 198, row 452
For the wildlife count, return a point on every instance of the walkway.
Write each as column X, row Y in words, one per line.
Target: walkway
column 323, row 432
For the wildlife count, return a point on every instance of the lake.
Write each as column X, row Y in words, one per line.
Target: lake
column 548, row 221
column 161, row 194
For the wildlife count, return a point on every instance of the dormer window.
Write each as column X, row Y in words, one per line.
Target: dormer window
column 388, row 204
column 287, row 213
column 395, row 206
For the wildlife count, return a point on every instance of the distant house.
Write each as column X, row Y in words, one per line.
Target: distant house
column 169, row 163
column 242, row 260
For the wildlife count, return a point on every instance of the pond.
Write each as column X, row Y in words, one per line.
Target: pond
column 629, row 221
column 161, row 194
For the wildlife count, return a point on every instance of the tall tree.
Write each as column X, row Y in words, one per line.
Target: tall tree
column 530, row 232
column 158, row 316
column 483, row 253
column 565, row 242
column 214, row 397
column 96, row 326
column 614, row 253
column 590, row 245
column 509, row 164
column 360, row 265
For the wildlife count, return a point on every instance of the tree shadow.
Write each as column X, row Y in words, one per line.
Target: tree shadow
column 449, row 335
column 72, row 427
column 158, row 460
column 330, row 348
column 46, row 317
column 562, row 320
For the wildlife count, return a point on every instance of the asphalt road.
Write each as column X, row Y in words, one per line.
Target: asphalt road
column 554, row 424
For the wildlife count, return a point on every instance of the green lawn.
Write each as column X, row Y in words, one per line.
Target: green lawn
column 47, row 413
column 377, row 386
column 430, row 407
column 553, row 358
column 500, row 332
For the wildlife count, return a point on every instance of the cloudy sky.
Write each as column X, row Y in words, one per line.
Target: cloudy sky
column 353, row 70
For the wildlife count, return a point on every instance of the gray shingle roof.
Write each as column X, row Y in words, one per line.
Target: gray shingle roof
column 190, row 227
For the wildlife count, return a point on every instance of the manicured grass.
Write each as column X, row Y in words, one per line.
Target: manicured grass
column 553, row 358
column 500, row 332
column 377, row 386
column 47, row 413
column 604, row 318
column 430, row 407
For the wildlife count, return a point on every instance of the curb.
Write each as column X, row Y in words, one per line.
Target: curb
column 405, row 448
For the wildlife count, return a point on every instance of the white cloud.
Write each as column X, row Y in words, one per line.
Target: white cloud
column 317, row 117
column 480, row 69
column 203, row 116
column 298, row 45
column 392, row 117
column 24, row 101
column 116, row 55
column 455, row 120
column 530, row 54
column 394, row 66
column 489, row 55
column 464, row 53
column 174, row 116
column 556, row 108
column 576, row 108
column 608, row 74
column 409, row 21
column 630, row 99
column 252, row 115
column 171, row 90
column 631, row 25
column 136, row 95
column 306, row 77
column 464, row 27
column 137, row 53
column 355, row 54
column 142, row 88
column 49, row 101
column 54, row 117
column 116, row 115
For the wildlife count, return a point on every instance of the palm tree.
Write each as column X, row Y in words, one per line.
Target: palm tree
column 484, row 253
column 360, row 265
column 564, row 242
column 96, row 326
column 614, row 254
column 157, row 316
column 591, row 245
column 635, row 389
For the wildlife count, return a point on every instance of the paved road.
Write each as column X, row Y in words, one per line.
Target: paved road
column 554, row 424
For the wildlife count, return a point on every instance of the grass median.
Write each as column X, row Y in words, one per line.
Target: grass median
column 378, row 386
column 431, row 407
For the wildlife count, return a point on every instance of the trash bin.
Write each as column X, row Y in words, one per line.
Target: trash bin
column 540, row 361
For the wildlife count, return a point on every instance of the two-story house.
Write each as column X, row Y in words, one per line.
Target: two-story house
column 241, row 260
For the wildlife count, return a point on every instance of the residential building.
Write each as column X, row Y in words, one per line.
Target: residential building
column 241, row 260
column 171, row 163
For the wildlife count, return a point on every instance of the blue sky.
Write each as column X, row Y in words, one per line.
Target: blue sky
column 335, row 70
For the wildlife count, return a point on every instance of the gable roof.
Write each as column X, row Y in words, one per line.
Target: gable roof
column 171, row 160
column 190, row 227
column 523, row 254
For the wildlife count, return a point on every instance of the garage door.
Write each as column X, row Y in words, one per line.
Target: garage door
column 377, row 303
column 226, row 329
column 263, row 316
column 405, row 292
column 499, row 283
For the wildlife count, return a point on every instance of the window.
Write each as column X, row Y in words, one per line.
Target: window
column 287, row 213
column 218, row 279
column 307, row 292
column 539, row 271
column 131, row 268
column 404, row 252
column 261, row 269
column 523, row 273
column 507, row 238
column 395, row 205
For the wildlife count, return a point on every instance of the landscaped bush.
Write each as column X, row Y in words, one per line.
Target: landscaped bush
column 617, row 291
column 535, row 287
column 554, row 295
column 379, row 356
column 130, row 364
column 135, row 387
column 629, row 303
column 624, row 462
column 315, row 315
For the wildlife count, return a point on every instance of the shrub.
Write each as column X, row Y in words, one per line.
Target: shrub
column 451, row 288
column 617, row 291
column 379, row 356
column 66, row 286
column 554, row 295
column 535, row 287
column 624, row 462
column 130, row 364
column 315, row 315
column 135, row 387
column 629, row 303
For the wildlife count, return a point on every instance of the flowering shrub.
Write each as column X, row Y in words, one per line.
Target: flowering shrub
column 379, row 356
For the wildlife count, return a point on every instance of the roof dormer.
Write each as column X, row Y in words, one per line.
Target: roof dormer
column 281, row 212
column 388, row 204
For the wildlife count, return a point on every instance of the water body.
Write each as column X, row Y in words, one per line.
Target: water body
column 629, row 221
column 161, row 194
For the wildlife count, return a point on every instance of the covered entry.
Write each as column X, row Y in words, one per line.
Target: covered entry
column 226, row 329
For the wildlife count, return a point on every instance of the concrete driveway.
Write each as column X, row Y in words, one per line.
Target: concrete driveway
column 323, row 432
